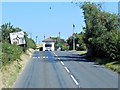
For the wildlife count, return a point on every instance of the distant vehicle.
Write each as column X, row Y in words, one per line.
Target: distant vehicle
column 48, row 47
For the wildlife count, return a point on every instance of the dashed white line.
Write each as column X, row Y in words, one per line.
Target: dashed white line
column 44, row 57
column 34, row 57
column 67, row 69
column 68, row 72
column 59, row 58
column 62, row 63
column 74, row 80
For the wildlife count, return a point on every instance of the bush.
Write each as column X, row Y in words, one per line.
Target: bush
column 107, row 45
column 64, row 47
column 30, row 43
column 101, row 32
column 10, row 53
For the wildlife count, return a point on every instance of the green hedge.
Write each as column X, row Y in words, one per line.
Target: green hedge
column 10, row 53
column 30, row 43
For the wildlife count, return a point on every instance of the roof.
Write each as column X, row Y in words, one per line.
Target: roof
column 49, row 40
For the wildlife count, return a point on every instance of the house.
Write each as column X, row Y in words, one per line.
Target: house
column 48, row 44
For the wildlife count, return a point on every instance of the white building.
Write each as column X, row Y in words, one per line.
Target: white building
column 48, row 44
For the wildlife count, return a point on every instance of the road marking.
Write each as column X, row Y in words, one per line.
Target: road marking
column 56, row 55
column 46, row 57
column 59, row 58
column 62, row 63
column 74, row 80
column 43, row 56
column 67, row 69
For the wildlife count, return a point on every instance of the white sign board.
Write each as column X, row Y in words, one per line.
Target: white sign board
column 17, row 38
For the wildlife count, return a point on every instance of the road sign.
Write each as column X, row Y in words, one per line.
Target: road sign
column 17, row 38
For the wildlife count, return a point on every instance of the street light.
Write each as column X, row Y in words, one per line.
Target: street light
column 44, row 37
column 119, row 15
column 73, row 38
column 31, row 35
column 36, row 39
column 59, row 41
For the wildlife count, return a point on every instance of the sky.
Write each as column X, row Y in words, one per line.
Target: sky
column 48, row 18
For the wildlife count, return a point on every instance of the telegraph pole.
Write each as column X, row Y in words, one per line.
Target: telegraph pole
column 73, row 38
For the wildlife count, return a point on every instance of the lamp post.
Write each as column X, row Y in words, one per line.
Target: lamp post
column 36, row 39
column 73, row 38
column 59, row 41
column 119, row 15
column 44, row 37
column 31, row 35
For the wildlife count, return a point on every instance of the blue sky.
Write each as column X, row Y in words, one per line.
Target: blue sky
column 37, row 17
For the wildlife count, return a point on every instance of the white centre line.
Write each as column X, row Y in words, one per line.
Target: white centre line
column 62, row 63
column 74, row 80
column 67, row 70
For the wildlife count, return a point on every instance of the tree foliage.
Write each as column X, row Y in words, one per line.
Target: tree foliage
column 30, row 43
column 59, row 42
column 79, row 42
column 101, row 31
column 12, row 52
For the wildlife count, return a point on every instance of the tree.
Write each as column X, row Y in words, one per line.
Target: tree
column 6, row 29
column 79, row 42
column 12, row 52
column 101, row 31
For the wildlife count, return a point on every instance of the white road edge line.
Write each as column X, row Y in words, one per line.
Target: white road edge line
column 74, row 80
column 67, row 70
column 62, row 63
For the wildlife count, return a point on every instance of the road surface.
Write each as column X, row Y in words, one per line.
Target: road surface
column 64, row 69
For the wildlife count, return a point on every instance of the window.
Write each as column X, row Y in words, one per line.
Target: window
column 48, row 45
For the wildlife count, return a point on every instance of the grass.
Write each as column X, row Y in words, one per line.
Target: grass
column 9, row 74
column 11, row 71
column 81, row 52
column 114, row 66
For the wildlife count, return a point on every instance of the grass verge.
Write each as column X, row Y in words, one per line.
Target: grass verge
column 81, row 52
column 11, row 71
column 114, row 66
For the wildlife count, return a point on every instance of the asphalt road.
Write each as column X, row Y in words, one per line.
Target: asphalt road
column 63, row 69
